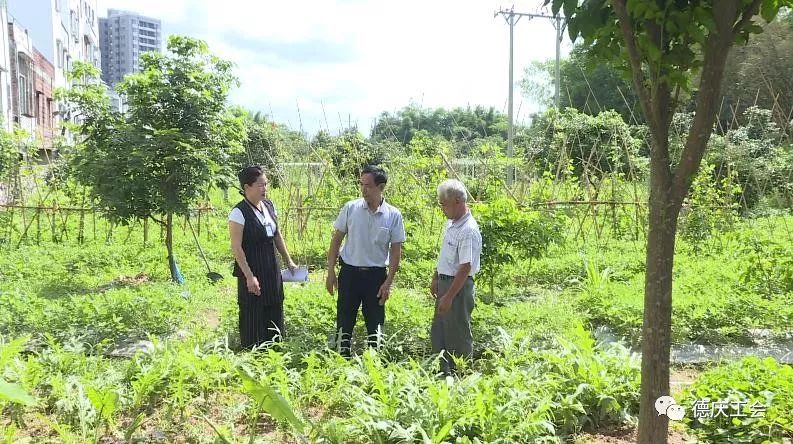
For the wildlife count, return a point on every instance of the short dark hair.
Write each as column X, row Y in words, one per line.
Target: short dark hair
column 249, row 175
column 377, row 172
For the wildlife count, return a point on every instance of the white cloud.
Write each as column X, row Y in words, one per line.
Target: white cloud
column 357, row 57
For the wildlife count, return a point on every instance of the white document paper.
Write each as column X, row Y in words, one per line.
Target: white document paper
column 300, row 275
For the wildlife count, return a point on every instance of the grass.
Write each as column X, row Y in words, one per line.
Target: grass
column 712, row 303
column 537, row 374
column 72, row 304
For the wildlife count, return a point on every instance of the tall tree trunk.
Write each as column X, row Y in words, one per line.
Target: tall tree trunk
column 169, row 246
column 668, row 188
column 657, row 326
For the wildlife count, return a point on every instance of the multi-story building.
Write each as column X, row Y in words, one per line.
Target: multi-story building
column 31, row 88
column 5, row 72
column 64, row 31
column 44, row 105
column 20, row 47
column 123, row 37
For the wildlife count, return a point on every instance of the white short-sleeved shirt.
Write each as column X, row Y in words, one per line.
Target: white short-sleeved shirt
column 462, row 244
column 263, row 216
column 369, row 235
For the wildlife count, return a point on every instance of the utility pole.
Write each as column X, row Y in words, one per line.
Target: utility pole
column 558, row 65
column 512, row 17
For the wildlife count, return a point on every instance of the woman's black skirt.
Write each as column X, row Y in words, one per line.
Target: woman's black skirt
column 262, row 317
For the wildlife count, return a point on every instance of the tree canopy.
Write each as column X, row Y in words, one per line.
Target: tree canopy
column 587, row 84
column 455, row 125
column 175, row 141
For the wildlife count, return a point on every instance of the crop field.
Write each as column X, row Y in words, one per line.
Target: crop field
column 100, row 346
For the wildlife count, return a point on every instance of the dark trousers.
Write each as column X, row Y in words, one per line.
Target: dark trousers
column 358, row 287
column 260, row 322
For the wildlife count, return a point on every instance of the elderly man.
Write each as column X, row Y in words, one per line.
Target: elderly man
column 375, row 232
column 453, row 283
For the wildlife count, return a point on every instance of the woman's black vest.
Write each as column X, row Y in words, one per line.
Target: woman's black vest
column 258, row 247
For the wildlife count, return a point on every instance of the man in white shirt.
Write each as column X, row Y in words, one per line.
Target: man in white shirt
column 374, row 234
column 452, row 284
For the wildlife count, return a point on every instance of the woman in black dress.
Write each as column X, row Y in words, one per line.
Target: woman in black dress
column 253, row 229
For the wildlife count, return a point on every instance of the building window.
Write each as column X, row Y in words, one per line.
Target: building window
column 25, row 89
column 24, row 102
column 59, row 52
column 75, row 26
column 38, row 110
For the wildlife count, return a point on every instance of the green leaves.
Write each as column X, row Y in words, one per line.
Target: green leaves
column 10, row 146
column 667, row 34
column 270, row 401
column 769, row 9
column 509, row 233
column 172, row 144
column 16, row 394
column 104, row 401
column 755, row 386
column 8, row 391
column 443, row 432
column 569, row 7
column 11, row 349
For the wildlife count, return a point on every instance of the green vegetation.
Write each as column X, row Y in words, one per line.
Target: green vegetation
column 98, row 344
column 537, row 374
column 743, row 387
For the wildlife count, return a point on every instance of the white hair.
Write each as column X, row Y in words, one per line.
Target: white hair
column 452, row 189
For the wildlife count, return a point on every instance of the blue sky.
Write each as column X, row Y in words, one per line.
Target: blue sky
column 322, row 64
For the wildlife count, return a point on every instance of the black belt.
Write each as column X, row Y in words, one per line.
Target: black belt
column 446, row 277
column 344, row 264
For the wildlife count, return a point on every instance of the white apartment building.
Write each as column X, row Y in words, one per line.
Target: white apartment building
column 123, row 37
column 5, row 71
column 64, row 31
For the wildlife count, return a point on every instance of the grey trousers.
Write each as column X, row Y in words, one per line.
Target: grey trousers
column 451, row 332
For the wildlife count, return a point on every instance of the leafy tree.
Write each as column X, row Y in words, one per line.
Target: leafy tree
column 753, row 153
column 760, row 74
column 350, row 152
column 509, row 233
column 266, row 143
column 262, row 146
column 587, row 84
column 101, row 129
column 175, row 141
column 462, row 125
column 257, row 116
column 664, row 43
column 10, row 157
column 596, row 145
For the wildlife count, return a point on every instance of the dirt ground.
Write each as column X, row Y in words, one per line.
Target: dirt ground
column 627, row 436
